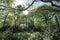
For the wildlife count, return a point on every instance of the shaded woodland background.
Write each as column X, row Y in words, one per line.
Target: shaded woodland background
column 41, row 23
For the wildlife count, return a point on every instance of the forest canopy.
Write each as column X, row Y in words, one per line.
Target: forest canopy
column 41, row 23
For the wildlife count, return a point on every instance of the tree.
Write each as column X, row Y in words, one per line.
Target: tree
column 41, row 23
column 47, row 18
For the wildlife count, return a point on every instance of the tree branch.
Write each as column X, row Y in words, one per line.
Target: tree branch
column 54, row 4
column 30, row 5
column 19, row 9
column 9, row 8
column 51, row 2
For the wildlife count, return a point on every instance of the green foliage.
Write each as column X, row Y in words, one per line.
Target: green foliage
column 1, row 24
column 11, row 20
column 39, row 24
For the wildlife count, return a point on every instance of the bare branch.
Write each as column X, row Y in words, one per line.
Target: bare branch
column 55, row 4
column 9, row 8
column 30, row 5
column 51, row 2
column 19, row 9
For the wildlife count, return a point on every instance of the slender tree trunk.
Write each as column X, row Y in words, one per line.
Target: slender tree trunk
column 5, row 19
column 47, row 29
column 57, row 22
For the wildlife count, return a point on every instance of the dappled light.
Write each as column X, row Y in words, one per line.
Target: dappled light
column 25, row 12
column 21, row 20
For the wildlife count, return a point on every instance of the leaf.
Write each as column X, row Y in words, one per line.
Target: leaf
column 1, row 24
column 9, row 2
column 11, row 20
column 0, row 15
